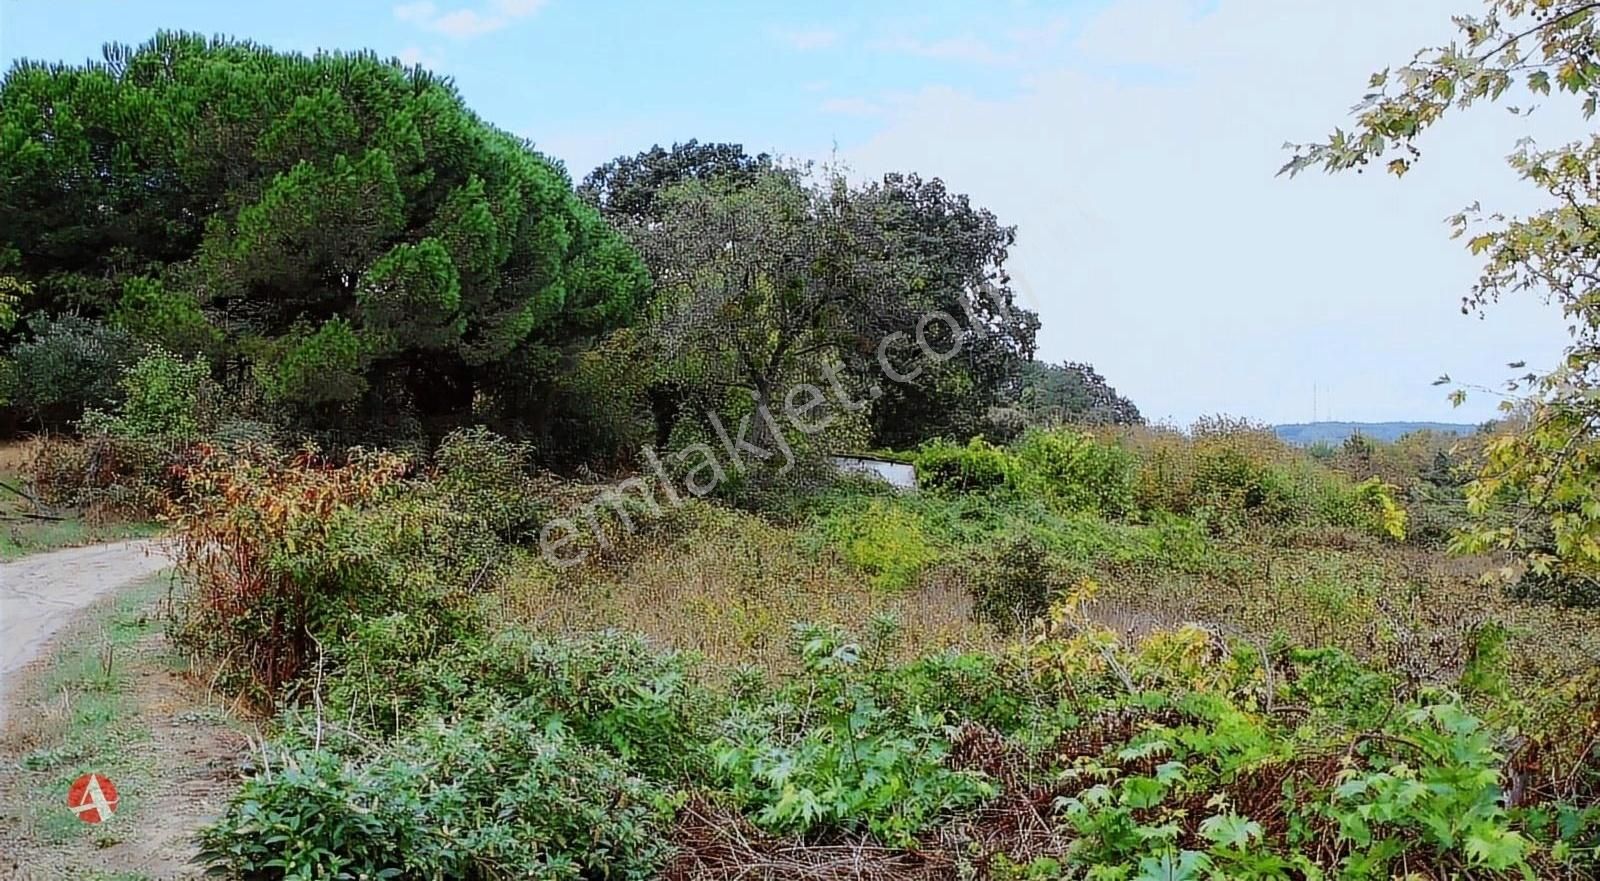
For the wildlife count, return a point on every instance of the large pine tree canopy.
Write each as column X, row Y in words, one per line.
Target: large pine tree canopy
column 340, row 231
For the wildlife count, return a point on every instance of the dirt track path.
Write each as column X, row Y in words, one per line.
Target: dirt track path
column 154, row 727
column 41, row 593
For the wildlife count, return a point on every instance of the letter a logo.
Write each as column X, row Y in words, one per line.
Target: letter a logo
column 93, row 798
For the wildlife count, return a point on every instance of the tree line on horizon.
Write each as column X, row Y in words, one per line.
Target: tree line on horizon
column 354, row 255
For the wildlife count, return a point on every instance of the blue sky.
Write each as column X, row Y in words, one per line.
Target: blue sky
column 1133, row 143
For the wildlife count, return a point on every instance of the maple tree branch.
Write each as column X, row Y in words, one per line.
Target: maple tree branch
column 1560, row 19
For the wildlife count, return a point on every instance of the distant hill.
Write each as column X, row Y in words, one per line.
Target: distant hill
column 1307, row 433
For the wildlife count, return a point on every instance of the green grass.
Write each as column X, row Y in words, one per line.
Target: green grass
column 22, row 537
column 90, row 677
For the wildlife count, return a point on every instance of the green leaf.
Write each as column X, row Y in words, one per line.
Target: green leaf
column 1231, row 830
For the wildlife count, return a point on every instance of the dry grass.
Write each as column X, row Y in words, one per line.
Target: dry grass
column 730, row 585
column 14, row 455
column 1414, row 612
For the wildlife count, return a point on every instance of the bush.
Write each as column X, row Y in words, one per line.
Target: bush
column 885, row 540
column 495, row 795
column 976, row 467
column 165, row 399
column 487, row 477
column 1076, row 473
column 68, row 366
column 283, row 551
column 1384, row 516
column 1220, row 468
column 1016, row 586
column 125, row 464
column 1234, row 488
column 848, row 761
column 610, row 691
column 108, row 477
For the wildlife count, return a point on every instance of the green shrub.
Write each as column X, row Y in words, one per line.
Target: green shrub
column 1435, row 782
column 165, row 399
column 1075, row 472
column 966, row 687
column 127, row 461
column 976, row 467
column 382, row 672
column 1384, row 516
column 1425, row 790
column 1232, row 485
column 611, row 691
column 495, row 795
column 68, row 365
column 486, row 477
column 883, row 539
column 1369, row 506
column 848, row 761
column 1016, row 586
column 11, row 293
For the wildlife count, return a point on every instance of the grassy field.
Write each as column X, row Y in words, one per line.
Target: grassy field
column 727, row 584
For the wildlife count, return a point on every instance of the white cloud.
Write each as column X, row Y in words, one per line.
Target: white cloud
column 850, row 107
column 809, row 39
column 415, row 12
column 967, row 49
column 414, row 55
column 468, row 22
column 1159, row 245
column 1017, row 46
column 519, row 8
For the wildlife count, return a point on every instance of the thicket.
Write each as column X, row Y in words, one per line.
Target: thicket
column 1228, row 477
column 1016, row 522
column 420, row 737
column 1074, row 755
column 285, row 552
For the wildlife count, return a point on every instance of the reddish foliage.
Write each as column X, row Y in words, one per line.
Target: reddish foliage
column 253, row 531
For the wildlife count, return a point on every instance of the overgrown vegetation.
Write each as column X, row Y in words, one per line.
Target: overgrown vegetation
column 1040, row 737
column 375, row 370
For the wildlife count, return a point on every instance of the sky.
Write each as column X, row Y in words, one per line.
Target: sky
column 1133, row 143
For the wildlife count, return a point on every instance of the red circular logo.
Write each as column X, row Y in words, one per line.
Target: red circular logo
column 93, row 798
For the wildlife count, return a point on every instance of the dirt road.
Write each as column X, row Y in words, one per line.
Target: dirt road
column 156, row 730
column 42, row 592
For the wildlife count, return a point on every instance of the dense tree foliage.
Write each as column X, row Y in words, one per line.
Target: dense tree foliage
column 1517, row 50
column 627, row 188
column 353, row 252
column 760, row 283
column 360, row 241
column 955, row 255
column 1070, row 393
column 919, row 264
